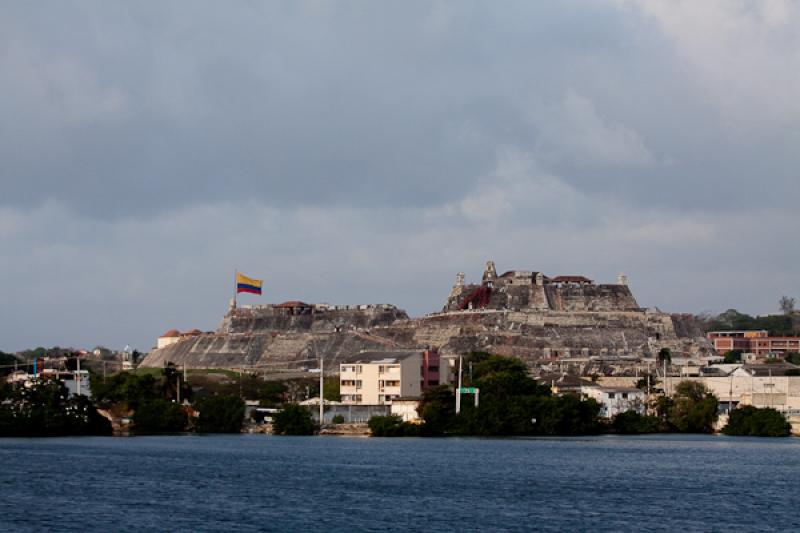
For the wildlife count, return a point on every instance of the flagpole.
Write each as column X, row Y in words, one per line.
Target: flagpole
column 235, row 286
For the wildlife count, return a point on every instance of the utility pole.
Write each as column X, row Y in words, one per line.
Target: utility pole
column 78, row 376
column 458, row 391
column 321, row 391
column 178, row 391
column 730, row 396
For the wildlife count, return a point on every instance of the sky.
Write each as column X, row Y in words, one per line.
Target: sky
column 366, row 152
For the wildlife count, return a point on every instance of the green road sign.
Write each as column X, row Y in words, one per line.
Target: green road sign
column 468, row 390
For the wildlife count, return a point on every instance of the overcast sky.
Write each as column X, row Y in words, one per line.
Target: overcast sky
column 356, row 152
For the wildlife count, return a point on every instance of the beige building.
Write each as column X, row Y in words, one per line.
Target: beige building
column 376, row 378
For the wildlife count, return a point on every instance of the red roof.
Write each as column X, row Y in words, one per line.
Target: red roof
column 293, row 303
column 571, row 279
column 194, row 331
column 172, row 333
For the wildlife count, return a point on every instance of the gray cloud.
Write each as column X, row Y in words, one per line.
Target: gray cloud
column 367, row 152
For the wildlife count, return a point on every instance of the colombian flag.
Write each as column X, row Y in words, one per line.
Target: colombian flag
column 245, row 284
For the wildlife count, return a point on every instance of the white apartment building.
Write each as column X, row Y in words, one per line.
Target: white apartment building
column 616, row 400
column 377, row 381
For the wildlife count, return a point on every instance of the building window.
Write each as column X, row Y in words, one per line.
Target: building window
column 610, row 395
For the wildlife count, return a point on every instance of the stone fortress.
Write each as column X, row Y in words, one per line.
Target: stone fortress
column 534, row 291
column 525, row 314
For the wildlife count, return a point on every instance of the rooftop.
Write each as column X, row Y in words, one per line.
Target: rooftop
column 381, row 357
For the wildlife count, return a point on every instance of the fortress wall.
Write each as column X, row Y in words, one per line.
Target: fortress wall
column 592, row 298
column 277, row 319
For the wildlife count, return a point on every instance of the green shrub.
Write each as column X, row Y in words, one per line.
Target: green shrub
column 338, row 419
column 220, row 414
column 754, row 422
column 44, row 410
column 392, row 426
column 633, row 423
column 159, row 416
column 293, row 420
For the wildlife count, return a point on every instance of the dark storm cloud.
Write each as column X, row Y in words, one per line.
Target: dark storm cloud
column 366, row 151
column 144, row 107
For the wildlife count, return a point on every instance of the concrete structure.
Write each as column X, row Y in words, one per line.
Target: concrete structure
column 757, row 342
column 406, row 408
column 376, row 378
column 744, row 387
column 352, row 414
column 616, row 400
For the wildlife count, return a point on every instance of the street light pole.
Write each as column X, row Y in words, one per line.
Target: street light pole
column 458, row 391
column 321, row 391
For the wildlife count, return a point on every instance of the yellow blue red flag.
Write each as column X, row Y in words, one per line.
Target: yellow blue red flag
column 245, row 284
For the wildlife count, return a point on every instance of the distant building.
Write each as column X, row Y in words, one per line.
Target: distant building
column 378, row 378
column 616, row 400
column 76, row 381
column 172, row 336
column 757, row 342
column 534, row 291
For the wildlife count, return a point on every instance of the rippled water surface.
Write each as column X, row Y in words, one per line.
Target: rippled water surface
column 256, row 482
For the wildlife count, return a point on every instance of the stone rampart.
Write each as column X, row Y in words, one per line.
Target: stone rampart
column 310, row 318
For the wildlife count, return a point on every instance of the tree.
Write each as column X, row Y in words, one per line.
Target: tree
column 293, row 420
column 777, row 325
column 44, row 410
column 125, row 387
column 511, row 403
column 646, row 381
column 664, row 355
column 171, row 380
column 754, row 422
column 792, row 357
column 567, row 415
column 437, row 409
column 271, row 393
column 7, row 362
column 732, row 357
column 220, row 414
column 787, row 305
column 633, row 423
column 694, row 408
column 159, row 416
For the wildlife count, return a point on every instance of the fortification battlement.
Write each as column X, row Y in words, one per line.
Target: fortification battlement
column 530, row 290
column 300, row 316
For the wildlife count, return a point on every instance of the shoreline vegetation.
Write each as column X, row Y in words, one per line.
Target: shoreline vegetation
column 512, row 404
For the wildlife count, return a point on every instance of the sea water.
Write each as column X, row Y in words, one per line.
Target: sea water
column 267, row 483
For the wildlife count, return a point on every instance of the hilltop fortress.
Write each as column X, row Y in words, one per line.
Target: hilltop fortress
column 520, row 313
column 534, row 291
